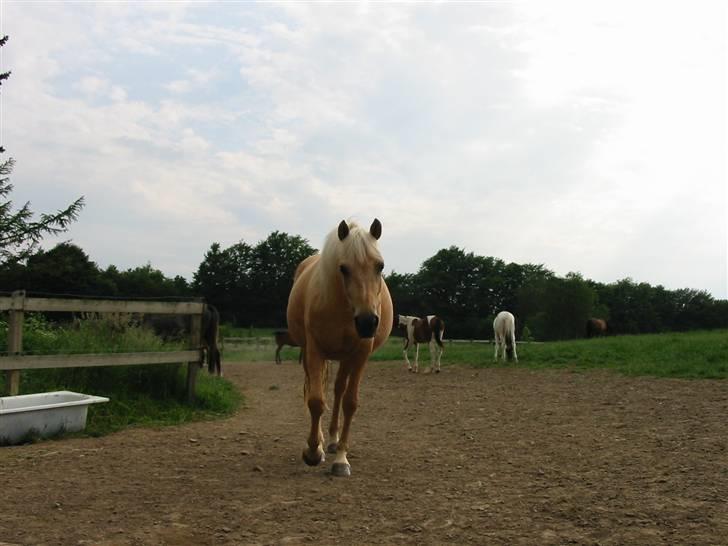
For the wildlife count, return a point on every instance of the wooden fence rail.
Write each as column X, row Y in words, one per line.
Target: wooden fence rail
column 15, row 361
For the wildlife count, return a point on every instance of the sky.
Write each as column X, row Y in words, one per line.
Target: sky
column 585, row 136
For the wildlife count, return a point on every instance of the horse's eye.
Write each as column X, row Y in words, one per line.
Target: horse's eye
column 380, row 267
column 344, row 270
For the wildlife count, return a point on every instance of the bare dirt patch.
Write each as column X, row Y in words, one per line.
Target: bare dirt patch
column 492, row 456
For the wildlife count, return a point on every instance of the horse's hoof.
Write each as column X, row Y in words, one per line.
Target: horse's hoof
column 314, row 459
column 341, row 470
column 331, row 448
column 437, row 371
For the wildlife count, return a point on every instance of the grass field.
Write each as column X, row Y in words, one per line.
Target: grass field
column 701, row 354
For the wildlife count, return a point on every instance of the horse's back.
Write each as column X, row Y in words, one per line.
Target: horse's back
column 504, row 323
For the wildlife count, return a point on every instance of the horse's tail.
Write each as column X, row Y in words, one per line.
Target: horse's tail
column 438, row 329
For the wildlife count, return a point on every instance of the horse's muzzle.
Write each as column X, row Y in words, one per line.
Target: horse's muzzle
column 366, row 325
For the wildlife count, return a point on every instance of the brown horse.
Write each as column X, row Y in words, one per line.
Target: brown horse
column 428, row 330
column 210, row 336
column 339, row 309
column 596, row 327
column 284, row 338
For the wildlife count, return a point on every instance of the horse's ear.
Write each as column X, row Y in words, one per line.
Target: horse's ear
column 343, row 230
column 376, row 229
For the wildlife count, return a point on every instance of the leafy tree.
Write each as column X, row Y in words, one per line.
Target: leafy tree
column 65, row 269
column 19, row 233
column 274, row 263
column 144, row 281
column 216, row 277
column 250, row 285
column 556, row 308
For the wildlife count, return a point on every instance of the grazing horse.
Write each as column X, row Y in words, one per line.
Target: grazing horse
column 504, row 329
column 428, row 330
column 340, row 309
column 284, row 338
column 596, row 327
column 210, row 336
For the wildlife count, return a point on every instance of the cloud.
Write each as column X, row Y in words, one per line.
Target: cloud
column 556, row 135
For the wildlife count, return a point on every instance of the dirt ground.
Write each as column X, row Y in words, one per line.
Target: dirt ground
column 491, row 456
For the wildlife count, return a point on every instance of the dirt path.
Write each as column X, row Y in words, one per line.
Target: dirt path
column 496, row 456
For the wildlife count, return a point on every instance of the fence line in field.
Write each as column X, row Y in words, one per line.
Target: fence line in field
column 15, row 361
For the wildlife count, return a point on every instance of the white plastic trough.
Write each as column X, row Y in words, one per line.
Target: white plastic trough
column 44, row 414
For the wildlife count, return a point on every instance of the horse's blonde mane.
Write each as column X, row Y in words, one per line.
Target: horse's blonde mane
column 358, row 248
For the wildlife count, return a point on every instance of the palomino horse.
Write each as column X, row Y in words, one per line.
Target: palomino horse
column 596, row 327
column 504, row 329
column 428, row 330
column 339, row 309
column 284, row 338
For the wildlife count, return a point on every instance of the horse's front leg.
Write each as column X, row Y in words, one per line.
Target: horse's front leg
column 342, row 377
column 314, row 365
column 350, row 401
column 417, row 357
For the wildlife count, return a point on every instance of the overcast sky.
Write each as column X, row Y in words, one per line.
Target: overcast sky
column 584, row 136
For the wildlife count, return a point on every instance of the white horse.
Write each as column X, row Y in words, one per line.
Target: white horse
column 428, row 330
column 504, row 329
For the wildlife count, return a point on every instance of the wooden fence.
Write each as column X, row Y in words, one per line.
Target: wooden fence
column 15, row 361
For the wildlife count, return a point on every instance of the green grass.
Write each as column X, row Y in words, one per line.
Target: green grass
column 701, row 354
column 139, row 395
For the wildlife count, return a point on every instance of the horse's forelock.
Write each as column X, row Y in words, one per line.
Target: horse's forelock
column 359, row 247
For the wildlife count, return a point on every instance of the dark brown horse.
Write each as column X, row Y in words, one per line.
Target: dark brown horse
column 427, row 330
column 177, row 327
column 284, row 338
column 210, row 336
column 596, row 327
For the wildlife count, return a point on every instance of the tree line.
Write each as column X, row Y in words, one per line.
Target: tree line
column 249, row 284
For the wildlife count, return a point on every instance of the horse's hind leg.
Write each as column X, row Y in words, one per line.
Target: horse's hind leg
column 404, row 352
column 278, row 354
column 314, row 366
column 417, row 357
column 350, row 402
column 439, row 350
column 342, row 376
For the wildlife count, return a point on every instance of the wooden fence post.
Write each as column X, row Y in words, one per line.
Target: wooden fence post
column 195, row 344
column 15, row 340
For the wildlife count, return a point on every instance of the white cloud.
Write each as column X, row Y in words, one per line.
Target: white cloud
column 568, row 134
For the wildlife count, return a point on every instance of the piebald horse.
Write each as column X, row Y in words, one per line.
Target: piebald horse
column 428, row 330
column 339, row 309
column 504, row 329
